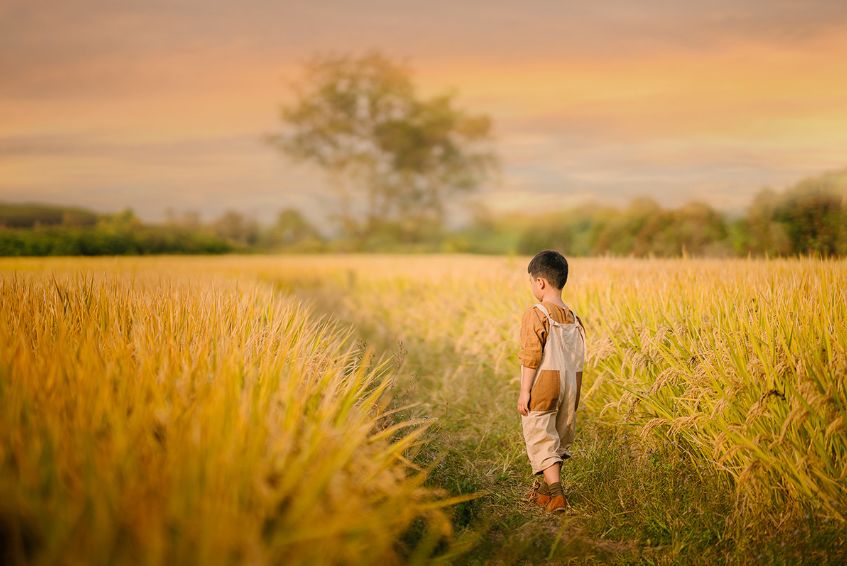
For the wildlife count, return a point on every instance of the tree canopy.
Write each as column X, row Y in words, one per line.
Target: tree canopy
column 394, row 157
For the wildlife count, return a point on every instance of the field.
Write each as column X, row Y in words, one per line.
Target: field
column 326, row 409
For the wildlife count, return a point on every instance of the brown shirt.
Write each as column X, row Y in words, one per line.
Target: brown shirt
column 534, row 328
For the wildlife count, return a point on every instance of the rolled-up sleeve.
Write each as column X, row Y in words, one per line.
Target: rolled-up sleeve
column 533, row 338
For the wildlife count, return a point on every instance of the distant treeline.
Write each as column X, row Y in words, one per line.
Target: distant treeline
column 807, row 218
column 50, row 230
column 41, row 230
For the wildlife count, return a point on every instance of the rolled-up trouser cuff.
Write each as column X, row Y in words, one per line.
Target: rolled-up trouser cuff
column 545, row 463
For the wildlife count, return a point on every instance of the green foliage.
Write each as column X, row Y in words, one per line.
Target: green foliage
column 808, row 218
column 293, row 232
column 109, row 240
column 43, row 230
column 235, row 227
column 642, row 229
column 124, row 234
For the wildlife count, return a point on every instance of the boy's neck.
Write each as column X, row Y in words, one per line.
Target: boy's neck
column 553, row 296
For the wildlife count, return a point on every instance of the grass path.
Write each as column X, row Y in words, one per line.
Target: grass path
column 625, row 505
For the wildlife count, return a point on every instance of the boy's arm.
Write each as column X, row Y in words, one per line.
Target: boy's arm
column 527, row 376
column 533, row 337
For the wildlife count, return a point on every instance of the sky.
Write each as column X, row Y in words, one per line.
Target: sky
column 161, row 104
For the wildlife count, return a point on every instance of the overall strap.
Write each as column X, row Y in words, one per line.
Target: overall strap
column 543, row 309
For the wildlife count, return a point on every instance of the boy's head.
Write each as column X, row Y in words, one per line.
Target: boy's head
column 548, row 269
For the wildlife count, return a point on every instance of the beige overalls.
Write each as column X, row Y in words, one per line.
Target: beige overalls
column 549, row 427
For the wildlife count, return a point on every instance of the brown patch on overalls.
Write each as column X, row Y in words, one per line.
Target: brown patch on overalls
column 545, row 391
column 550, row 424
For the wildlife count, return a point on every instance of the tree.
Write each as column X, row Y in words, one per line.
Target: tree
column 765, row 234
column 393, row 157
column 292, row 229
column 189, row 219
column 812, row 212
column 808, row 217
column 699, row 230
column 235, row 227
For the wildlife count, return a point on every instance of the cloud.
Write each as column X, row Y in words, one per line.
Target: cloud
column 103, row 40
column 94, row 144
column 159, row 103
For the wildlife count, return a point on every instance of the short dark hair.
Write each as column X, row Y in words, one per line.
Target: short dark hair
column 551, row 265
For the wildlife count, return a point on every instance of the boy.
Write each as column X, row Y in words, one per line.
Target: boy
column 552, row 355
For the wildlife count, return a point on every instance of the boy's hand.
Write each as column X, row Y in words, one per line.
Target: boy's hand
column 523, row 403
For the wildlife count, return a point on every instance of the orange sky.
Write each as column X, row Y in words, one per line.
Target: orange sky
column 160, row 104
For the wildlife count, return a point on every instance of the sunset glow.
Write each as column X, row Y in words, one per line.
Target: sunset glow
column 152, row 106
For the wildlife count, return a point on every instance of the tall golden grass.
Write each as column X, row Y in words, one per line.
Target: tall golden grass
column 740, row 363
column 185, row 409
column 152, row 416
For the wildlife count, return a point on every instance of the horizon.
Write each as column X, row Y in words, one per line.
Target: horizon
column 151, row 106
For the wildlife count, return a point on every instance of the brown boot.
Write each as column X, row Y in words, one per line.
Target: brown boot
column 540, row 493
column 557, row 503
